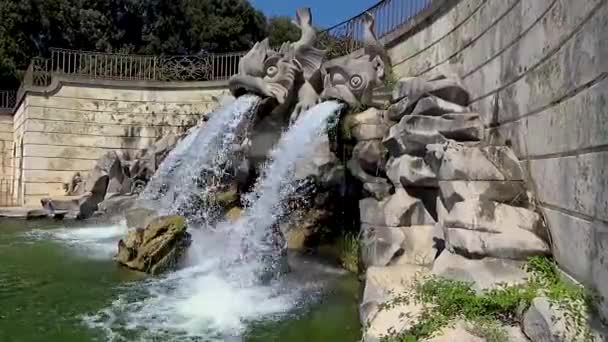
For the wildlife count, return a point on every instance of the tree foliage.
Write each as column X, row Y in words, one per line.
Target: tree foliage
column 281, row 30
column 29, row 28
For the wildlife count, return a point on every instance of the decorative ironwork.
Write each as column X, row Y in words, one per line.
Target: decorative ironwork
column 347, row 36
column 8, row 99
column 186, row 68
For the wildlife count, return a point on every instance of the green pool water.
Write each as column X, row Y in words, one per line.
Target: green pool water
column 50, row 281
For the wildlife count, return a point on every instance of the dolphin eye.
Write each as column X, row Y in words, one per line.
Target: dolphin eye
column 272, row 71
column 356, row 81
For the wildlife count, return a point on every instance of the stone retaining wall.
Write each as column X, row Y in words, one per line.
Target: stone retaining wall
column 66, row 129
column 537, row 71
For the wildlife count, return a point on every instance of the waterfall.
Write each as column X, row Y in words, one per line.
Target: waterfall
column 199, row 162
column 266, row 204
column 220, row 292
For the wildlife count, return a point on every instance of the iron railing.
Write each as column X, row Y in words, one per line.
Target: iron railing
column 340, row 39
column 389, row 15
column 8, row 98
column 117, row 66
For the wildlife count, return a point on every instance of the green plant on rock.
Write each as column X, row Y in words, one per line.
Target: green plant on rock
column 447, row 301
column 349, row 252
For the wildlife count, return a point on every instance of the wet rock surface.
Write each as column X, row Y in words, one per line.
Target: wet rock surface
column 157, row 248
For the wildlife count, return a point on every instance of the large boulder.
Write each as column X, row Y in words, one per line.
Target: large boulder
column 483, row 273
column 517, row 244
column 377, row 187
column 409, row 170
column 397, row 210
column 475, row 163
column 456, row 332
column 371, row 155
column 449, row 88
column 435, row 106
column 319, row 165
column 402, row 140
column 383, row 284
column 479, row 228
column 379, row 244
column 511, row 192
column 420, row 246
column 457, row 126
column 367, row 125
column 157, row 248
column 492, row 217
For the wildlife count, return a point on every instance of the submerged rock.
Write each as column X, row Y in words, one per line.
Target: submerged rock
column 157, row 248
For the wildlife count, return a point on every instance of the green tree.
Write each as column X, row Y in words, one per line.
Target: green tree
column 29, row 28
column 282, row 29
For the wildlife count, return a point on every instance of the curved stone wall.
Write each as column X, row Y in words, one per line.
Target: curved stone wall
column 537, row 73
column 66, row 128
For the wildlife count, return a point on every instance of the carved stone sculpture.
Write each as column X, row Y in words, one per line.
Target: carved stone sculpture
column 297, row 77
column 352, row 79
column 280, row 74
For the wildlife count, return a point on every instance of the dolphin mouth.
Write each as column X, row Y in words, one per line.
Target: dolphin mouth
column 244, row 84
column 340, row 93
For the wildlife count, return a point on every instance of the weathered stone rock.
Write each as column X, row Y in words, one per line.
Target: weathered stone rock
column 403, row 140
column 63, row 204
column 379, row 244
column 420, row 246
column 378, row 187
column 511, row 192
column 544, row 322
column 367, row 125
column 371, row 155
column 364, row 132
column 457, row 126
column 157, row 248
column 398, row 210
column 139, row 217
column 409, row 90
column 457, row 332
column 450, row 89
column 434, row 106
column 409, row 170
column 517, row 244
column 515, row 334
column 381, row 285
column 483, row 273
column 379, row 190
column 402, row 209
column 318, row 164
column 371, row 212
column 117, row 205
column 491, row 217
column 475, row 163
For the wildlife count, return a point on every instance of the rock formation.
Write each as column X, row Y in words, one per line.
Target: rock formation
column 459, row 208
column 116, row 173
column 154, row 245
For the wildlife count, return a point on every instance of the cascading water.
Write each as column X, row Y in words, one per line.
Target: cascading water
column 220, row 290
column 197, row 165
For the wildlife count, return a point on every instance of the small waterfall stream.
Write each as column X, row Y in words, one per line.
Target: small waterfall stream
column 220, row 291
column 206, row 150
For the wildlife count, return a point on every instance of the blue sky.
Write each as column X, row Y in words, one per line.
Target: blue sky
column 325, row 13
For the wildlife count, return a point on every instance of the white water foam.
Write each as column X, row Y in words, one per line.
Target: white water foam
column 96, row 242
column 219, row 292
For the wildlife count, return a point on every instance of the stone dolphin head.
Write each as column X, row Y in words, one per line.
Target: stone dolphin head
column 352, row 78
column 279, row 74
